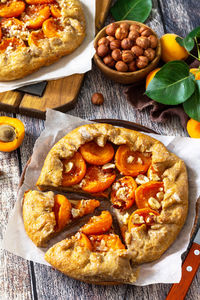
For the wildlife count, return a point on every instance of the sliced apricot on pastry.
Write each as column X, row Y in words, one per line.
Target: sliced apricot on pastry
column 62, row 210
column 11, row 44
column 97, row 155
column 35, row 38
column 98, row 224
column 144, row 216
column 11, row 9
column 123, row 193
column 51, row 28
column 0, row 33
column 55, row 10
column 106, row 242
column 150, row 195
column 36, row 15
column 83, row 241
column 73, row 170
column 85, row 207
column 7, row 23
column 130, row 162
column 35, row 2
column 97, row 179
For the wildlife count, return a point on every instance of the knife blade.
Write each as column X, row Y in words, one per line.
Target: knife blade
column 36, row 89
column 189, row 269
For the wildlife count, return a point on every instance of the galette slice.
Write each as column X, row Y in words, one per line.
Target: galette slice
column 46, row 214
column 96, row 254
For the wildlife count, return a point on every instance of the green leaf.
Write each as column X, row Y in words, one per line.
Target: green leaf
column 192, row 105
column 188, row 41
column 137, row 10
column 173, row 84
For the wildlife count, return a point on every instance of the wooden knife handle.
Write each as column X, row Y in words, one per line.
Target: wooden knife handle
column 189, row 269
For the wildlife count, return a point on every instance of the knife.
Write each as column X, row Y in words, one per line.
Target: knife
column 189, row 269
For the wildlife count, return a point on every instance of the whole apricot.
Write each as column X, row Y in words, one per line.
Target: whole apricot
column 150, row 76
column 193, row 128
column 171, row 50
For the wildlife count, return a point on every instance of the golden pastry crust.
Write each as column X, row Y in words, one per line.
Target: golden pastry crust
column 143, row 245
column 38, row 215
column 90, row 266
column 17, row 63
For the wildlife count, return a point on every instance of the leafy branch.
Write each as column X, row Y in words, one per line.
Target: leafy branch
column 175, row 84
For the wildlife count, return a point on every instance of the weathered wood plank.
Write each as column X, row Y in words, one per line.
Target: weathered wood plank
column 14, row 271
column 180, row 16
column 9, row 101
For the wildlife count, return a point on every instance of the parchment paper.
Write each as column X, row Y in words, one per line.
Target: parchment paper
column 165, row 270
column 79, row 61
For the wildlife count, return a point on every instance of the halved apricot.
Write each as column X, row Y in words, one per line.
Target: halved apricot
column 32, row 2
column 130, row 162
column 105, row 242
column 98, row 224
column 51, row 28
column 11, row 9
column 7, row 23
column 12, row 42
column 142, row 216
column 87, row 206
column 36, row 15
column 123, row 192
column 147, row 190
column 83, row 241
column 35, row 37
column 97, row 155
column 55, row 10
column 73, row 170
column 97, row 180
column 62, row 210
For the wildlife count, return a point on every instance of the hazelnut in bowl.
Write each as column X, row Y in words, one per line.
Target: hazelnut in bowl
column 126, row 51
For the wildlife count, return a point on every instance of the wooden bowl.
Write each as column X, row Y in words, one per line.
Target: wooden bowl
column 126, row 77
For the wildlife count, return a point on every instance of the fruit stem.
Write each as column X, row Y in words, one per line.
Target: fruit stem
column 198, row 51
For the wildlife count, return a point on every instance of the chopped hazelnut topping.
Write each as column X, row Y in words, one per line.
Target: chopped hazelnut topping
column 130, row 159
column 141, row 179
column 108, row 166
column 68, row 167
column 139, row 161
column 176, row 197
column 160, row 195
column 121, row 193
column 137, row 219
column 153, row 203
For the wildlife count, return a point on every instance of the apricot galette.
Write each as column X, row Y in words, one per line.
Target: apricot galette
column 36, row 33
column 148, row 191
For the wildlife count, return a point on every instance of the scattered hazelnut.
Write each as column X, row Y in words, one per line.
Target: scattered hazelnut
column 153, row 41
column 132, row 66
column 142, row 62
column 121, row 33
column 133, row 35
column 117, row 54
column 124, row 26
column 109, row 61
column 143, row 42
column 146, row 32
column 127, row 56
column 110, row 38
column 150, row 54
column 115, row 44
column 126, row 43
column 111, row 28
column 121, row 66
column 97, row 99
column 134, row 27
column 138, row 51
column 102, row 50
column 103, row 41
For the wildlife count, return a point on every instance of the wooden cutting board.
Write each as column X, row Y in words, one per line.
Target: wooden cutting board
column 60, row 94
